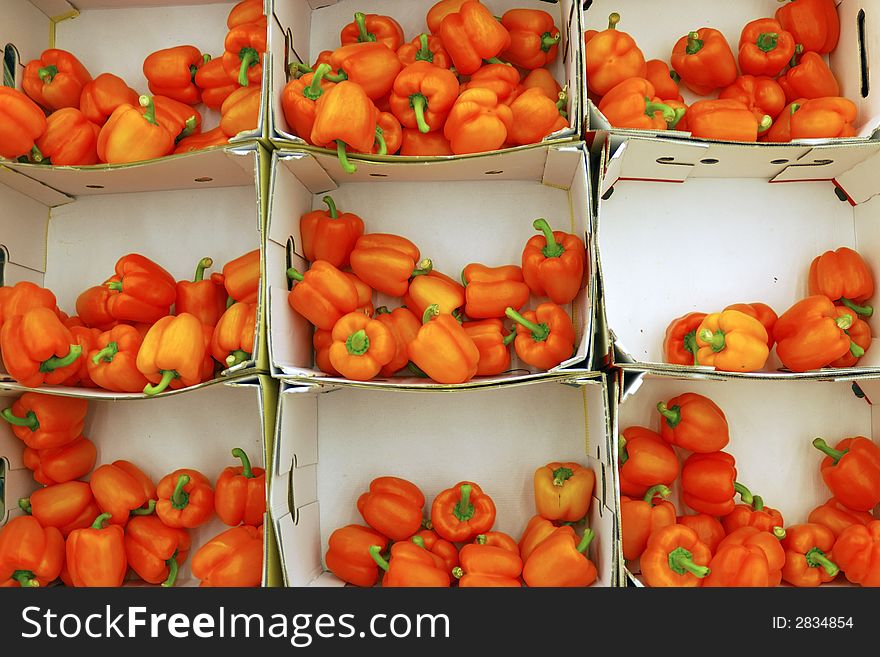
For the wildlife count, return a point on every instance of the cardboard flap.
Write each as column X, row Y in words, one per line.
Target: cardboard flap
column 307, row 170
column 661, row 160
column 860, row 182
column 38, row 191
column 560, row 166
column 826, row 162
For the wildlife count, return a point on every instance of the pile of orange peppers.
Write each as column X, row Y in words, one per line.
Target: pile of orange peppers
column 774, row 86
column 92, row 533
column 746, row 544
column 446, row 330
column 66, row 117
column 138, row 331
column 469, row 83
column 825, row 329
column 456, row 546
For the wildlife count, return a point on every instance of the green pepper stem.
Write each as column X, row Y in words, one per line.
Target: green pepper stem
column 767, row 41
column 423, row 267
column 416, row 371
column 757, row 503
column 180, row 498
column 25, row 505
column 150, row 114
column 694, row 43
column 464, row 510
column 715, row 340
column 844, row 322
column 418, row 540
column 679, row 115
column 690, row 344
column 173, row 568
column 375, row 551
column 666, row 110
column 587, row 538
column 779, row 532
column 540, row 332
column 744, row 493
column 54, row 363
column 822, row 446
column 766, row 122
column 672, row 415
column 25, row 578
column 548, row 41
column 798, row 51
column 681, row 560
column 298, row 67
column 331, row 207
column 675, row 76
column 856, row 350
column 419, row 104
column 167, row 377
column 424, row 53
column 339, row 76
column 347, row 166
column 510, row 337
column 816, row 557
column 495, row 60
column 249, row 57
column 145, row 511
column 229, row 302
column 363, row 35
column 613, row 20
column 480, row 539
column 794, row 108
column 381, row 310
column 115, row 286
column 237, row 357
column 99, row 521
column 30, row 420
column 622, row 454
column 552, row 249
column 204, row 263
column 293, row 274
column 865, row 311
column 561, row 475
column 37, row 155
column 380, row 140
column 659, row 490
column 189, row 127
column 47, row 73
column 358, row 343
column 457, row 572
column 246, row 469
column 314, row 90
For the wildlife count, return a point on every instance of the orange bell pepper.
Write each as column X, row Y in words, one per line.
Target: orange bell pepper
column 213, row 83
column 55, row 80
column 534, row 534
column 299, row 100
column 130, row 136
column 484, row 565
column 411, row 565
column 323, row 294
column 752, row 514
column 857, row 553
column 171, row 72
column 633, row 103
column 859, row 333
column 534, row 117
column 232, row 558
column 348, row 554
column 186, row 498
column 471, row 35
column 503, row 79
column 440, row 547
column 763, row 313
column 387, row 262
column 694, row 422
column 155, row 551
column 30, row 555
column 393, row 507
column 361, row 347
column 477, row 122
column 423, row 95
column 709, row 530
column 44, row 421
column 809, row 78
column 241, row 277
column 843, row 276
column 404, row 327
column 434, row 288
column 416, row 143
column 819, row 118
column 66, row 506
column 246, row 11
column 491, row 340
column 808, row 555
column 542, row 79
column 103, row 95
column 69, row 140
column 443, row 350
column 762, row 95
column 91, row 307
column 534, row 38
column 372, row 66
column 645, row 461
column 765, row 47
column 561, row 560
column 330, row 235
column 179, row 119
column 146, row 291
column 612, row 56
column 85, row 338
column 96, row 555
column 345, row 115
column 564, row 491
column 675, row 556
column 240, row 493
column 704, row 61
column 199, row 141
column 680, row 342
column 373, row 28
column 240, row 112
column 424, row 48
column 232, row 341
column 837, row 517
column 22, row 122
column 813, row 23
column 811, row 334
column 726, row 119
column 659, row 75
column 36, row 345
column 640, row 518
column 23, row 296
column 851, row 470
column 553, row 263
column 748, row 557
column 544, row 336
column 441, row 10
column 56, row 465
column 204, row 298
column 322, row 341
column 459, row 514
column 112, row 363
column 244, row 47
column 389, row 135
column 172, row 353
column 708, row 483
column 122, row 489
column 732, row 341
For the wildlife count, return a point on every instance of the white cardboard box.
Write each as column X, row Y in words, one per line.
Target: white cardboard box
column 457, row 212
column 331, row 442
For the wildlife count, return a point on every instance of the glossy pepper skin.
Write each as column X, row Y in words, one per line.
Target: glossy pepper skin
column 131, row 136
column 385, row 262
column 415, row 143
column 434, row 287
column 240, row 112
column 232, row 558
column 708, row 483
column 103, row 95
column 86, row 338
column 244, row 47
column 645, row 461
column 123, row 489
column 171, row 72
column 809, row 78
column 837, row 517
column 22, row 122
column 675, row 556
column 199, row 141
column 633, row 103
column 471, row 35
column 57, row 465
column 322, row 295
column 534, row 38
column 389, row 135
column 561, row 560
column 694, row 422
column 441, row 10
column 348, row 554
column 404, row 327
column 534, row 117
column 232, row 341
column 23, row 296
column 240, row 493
column 330, row 235
column 732, row 341
column 808, row 555
column 612, row 56
column 411, row 565
column 829, row 117
column 477, row 122
column 857, row 552
column 96, row 555
column 422, row 96
column 659, row 75
column 186, row 498
column 502, row 79
column 443, row 350
column 393, row 507
column 851, row 470
column 680, row 341
column 761, row 94
column 813, row 23
column 45, row 421
column 66, row 506
column 541, row 79
column 484, row 565
column 361, row 347
column 709, row 530
column 544, row 337
column 213, row 83
column 843, row 276
column 55, row 80
column 91, row 308
column 639, row 518
column 437, row 546
column 241, row 277
column 36, row 345
column 345, row 115
column 424, row 48
column 537, row 529
column 563, row 491
column 375, row 28
column 491, row 340
column 704, row 61
column 155, row 551
column 765, row 48
column 811, row 334
column 753, row 514
column 246, row 11
column 204, row 298
column 145, row 289
column 553, row 263
column 747, row 557
column 322, row 341
column 70, row 139
column 172, row 353
column 763, row 313
column 30, row 555
column 112, row 363
column 860, row 335
column 462, row 512
column 726, row 120
column 372, row 66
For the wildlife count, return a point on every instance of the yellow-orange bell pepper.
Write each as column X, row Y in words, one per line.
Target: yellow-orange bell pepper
column 731, row 341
